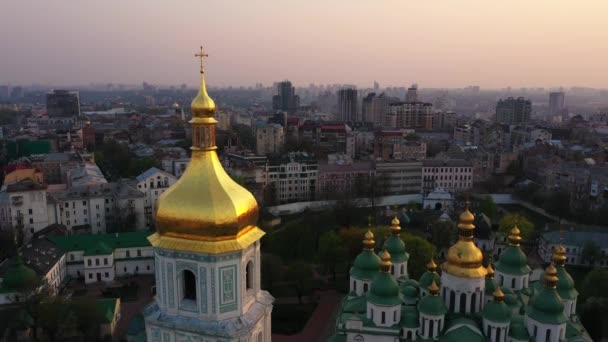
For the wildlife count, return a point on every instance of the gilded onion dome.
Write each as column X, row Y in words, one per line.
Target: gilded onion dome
column 384, row 289
column 512, row 260
column 430, row 275
column 205, row 210
column 432, row 304
column 497, row 310
column 367, row 263
column 565, row 283
column 395, row 245
column 464, row 258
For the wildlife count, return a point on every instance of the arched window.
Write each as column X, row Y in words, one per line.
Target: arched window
column 498, row 330
column 488, row 331
column 402, row 269
column 189, row 287
column 354, row 285
column 463, row 303
column 548, row 335
column 502, row 280
column 513, row 283
column 383, row 319
column 431, row 328
column 395, row 316
column 393, row 269
column 364, row 288
column 535, row 331
column 260, row 337
column 473, row 302
column 371, row 313
column 452, row 301
column 249, row 275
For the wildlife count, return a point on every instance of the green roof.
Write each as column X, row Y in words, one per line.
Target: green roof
column 462, row 329
column 396, row 247
column 20, row 148
column 410, row 291
column 565, row 284
column 101, row 244
column 366, row 265
column 496, row 312
column 409, row 282
column 409, row 317
column 547, row 307
column 355, row 305
column 427, row 278
column 18, row 277
column 490, row 285
column 384, row 290
column 432, row 306
column 518, row 329
column 337, row 338
column 513, row 261
column 106, row 307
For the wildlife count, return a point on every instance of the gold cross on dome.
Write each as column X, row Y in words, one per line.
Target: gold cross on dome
column 201, row 55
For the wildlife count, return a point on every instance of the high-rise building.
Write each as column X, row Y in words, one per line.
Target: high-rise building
column 412, row 94
column 513, row 111
column 417, row 115
column 207, row 250
column 269, row 138
column 4, row 92
column 556, row 102
column 380, row 109
column 286, row 98
column 347, row 105
column 367, row 115
column 63, row 103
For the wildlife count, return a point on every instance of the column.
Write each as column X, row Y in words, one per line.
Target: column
column 467, row 307
column 456, row 302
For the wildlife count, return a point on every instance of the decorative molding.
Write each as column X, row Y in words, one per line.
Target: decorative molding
column 203, row 288
column 228, row 288
column 213, row 290
column 196, row 257
column 171, row 279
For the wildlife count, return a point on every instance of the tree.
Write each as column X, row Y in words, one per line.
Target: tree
column 139, row 165
column 273, row 270
column 558, row 203
column 301, row 276
column 352, row 240
column 7, row 244
column 509, row 221
column 331, row 252
column 420, row 251
column 346, row 211
column 594, row 299
column 591, row 253
column 488, row 207
column 442, row 234
column 88, row 318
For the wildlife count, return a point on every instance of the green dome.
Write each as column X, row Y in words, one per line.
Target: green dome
column 565, row 284
column 490, row 285
column 432, row 306
column 396, row 247
column 427, row 278
column 409, row 282
column 410, row 291
column 513, row 261
column 496, row 312
column 384, row 290
column 366, row 265
column 547, row 307
column 18, row 277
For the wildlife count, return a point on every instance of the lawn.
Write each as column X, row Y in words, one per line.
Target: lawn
column 289, row 319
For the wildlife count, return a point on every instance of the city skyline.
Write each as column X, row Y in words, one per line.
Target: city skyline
column 517, row 44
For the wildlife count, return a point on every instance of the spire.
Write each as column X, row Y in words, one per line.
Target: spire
column 203, row 111
column 395, row 227
column 433, row 288
column 514, row 236
column 490, row 271
column 385, row 263
column 499, row 296
column 550, row 277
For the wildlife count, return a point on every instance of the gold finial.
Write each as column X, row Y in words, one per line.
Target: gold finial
column 433, row 288
column 385, row 261
column 201, row 55
column 431, row 265
column 499, row 296
column 559, row 255
column 465, row 221
column 395, row 226
column 551, row 276
column 514, row 236
column 369, row 242
column 490, row 271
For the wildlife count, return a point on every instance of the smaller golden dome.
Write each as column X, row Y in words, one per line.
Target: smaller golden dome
column 551, row 276
column 514, row 236
column 433, row 288
column 490, row 270
column 499, row 296
column 395, row 228
column 466, row 219
column 559, row 255
column 369, row 235
column 385, row 261
column 368, row 241
column 395, row 221
column 431, row 265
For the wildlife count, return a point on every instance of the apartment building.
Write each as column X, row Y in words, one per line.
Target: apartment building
column 152, row 183
column 453, row 175
column 291, row 178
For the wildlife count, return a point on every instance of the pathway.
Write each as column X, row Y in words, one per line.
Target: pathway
column 318, row 327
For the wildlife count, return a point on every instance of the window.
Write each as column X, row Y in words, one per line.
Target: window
column 105, row 261
column 128, row 254
column 365, row 288
column 125, row 269
column 89, row 262
column 30, row 211
column 395, row 316
column 249, row 275
column 371, row 311
column 96, row 262
column 138, row 253
column 71, row 256
column 90, row 275
column 31, row 221
column 107, row 275
column 147, row 267
column 513, row 283
column 189, row 285
column 383, row 319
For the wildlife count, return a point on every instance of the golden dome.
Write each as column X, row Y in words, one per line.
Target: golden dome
column 551, row 276
column 395, row 221
column 559, row 255
column 499, row 296
column 464, row 258
column 431, row 265
column 490, row 270
column 205, row 204
column 433, row 288
column 368, row 241
column 514, row 237
column 385, row 261
column 395, row 228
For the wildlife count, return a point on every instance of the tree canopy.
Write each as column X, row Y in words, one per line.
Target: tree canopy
column 509, row 221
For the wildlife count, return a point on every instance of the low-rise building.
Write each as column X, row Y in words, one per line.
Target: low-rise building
column 342, row 176
column 453, row 175
column 23, row 205
column 292, row 178
column 175, row 166
column 152, row 183
column 396, row 177
column 103, row 257
column 574, row 242
column 269, row 138
column 395, row 145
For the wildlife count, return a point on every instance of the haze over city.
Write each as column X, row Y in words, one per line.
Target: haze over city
column 436, row 44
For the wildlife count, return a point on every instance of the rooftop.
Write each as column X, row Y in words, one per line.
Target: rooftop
column 101, row 244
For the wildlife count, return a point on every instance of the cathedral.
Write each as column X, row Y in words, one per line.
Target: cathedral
column 207, row 249
column 464, row 302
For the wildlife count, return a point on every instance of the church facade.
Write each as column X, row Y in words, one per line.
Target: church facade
column 207, row 250
column 466, row 301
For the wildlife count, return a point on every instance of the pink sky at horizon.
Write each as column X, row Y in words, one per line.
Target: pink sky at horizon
column 545, row 43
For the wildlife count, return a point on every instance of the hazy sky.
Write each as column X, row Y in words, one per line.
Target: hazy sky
column 435, row 43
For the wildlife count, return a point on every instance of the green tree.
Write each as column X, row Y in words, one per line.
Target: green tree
column 420, row 251
column 139, row 165
column 488, row 207
column 594, row 303
column 352, row 240
column 331, row 252
column 509, row 221
column 88, row 318
column 591, row 253
column 273, row 270
column 442, row 234
column 301, row 276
